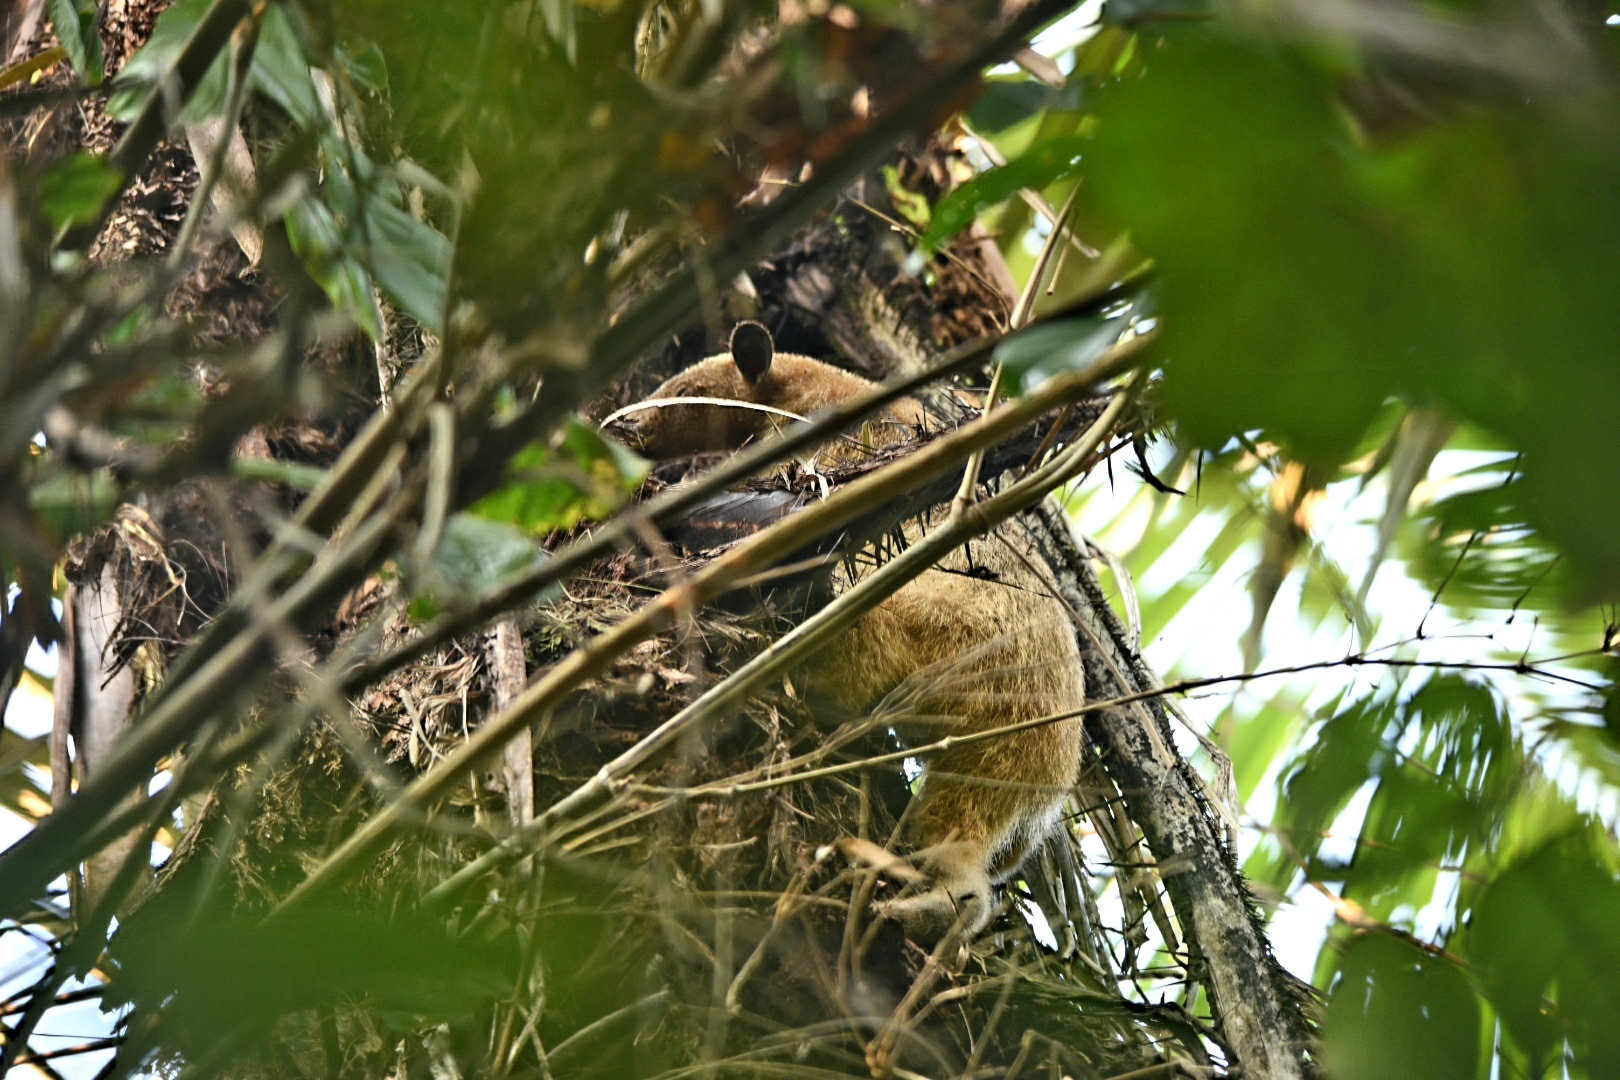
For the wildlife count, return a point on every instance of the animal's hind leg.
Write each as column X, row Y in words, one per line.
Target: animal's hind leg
column 962, row 824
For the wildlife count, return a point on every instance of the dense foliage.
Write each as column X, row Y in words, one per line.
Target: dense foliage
column 1376, row 244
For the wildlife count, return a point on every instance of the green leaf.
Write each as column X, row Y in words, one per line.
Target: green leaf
column 1005, row 103
column 76, row 188
column 151, row 64
column 76, row 23
column 477, row 553
column 1397, row 1011
column 1547, row 942
column 367, row 66
column 1308, row 274
column 586, row 477
column 16, row 751
column 409, row 259
column 1443, row 765
column 1043, row 163
column 280, row 69
column 313, row 231
column 913, row 205
column 186, row 971
column 1037, row 354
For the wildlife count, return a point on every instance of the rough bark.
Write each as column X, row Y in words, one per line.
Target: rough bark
column 1251, row 996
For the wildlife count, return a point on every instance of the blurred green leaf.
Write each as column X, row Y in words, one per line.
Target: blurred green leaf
column 587, row 477
column 280, row 69
column 1545, row 938
column 314, row 234
column 75, row 189
column 151, row 64
column 1008, row 102
column 1397, row 1011
column 212, row 982
column 477, row 553
column 913, row 206
column 410, row 260
column 367, row 66
column 15, row 751
column 74, row 503
column 1480, row 544
column 1443, row 764
column 1253, row 744
column 77, row 26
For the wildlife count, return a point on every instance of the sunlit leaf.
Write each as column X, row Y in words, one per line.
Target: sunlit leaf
column 586, row 477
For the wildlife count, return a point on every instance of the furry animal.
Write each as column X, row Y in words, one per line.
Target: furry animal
column 975, row 643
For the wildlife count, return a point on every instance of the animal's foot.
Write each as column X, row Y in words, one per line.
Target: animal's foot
column 930, row 916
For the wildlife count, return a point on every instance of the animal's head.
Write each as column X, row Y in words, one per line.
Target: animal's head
column 742, row 374
column 746, row 393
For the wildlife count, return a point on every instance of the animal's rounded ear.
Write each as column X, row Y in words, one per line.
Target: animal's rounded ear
column 751, row 350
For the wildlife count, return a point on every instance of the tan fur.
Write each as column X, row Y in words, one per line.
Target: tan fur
column 967, row 646
column 794, row 384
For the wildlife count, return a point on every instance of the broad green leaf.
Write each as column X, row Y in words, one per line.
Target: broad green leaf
column 152, row 63
column 77, row 26
column 314, row 234
column 409, row 259
column 76, row 188
column 367, row 66
column 185, row 970
column 280, row 70
column 1397, row 1011
column 586, row 477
